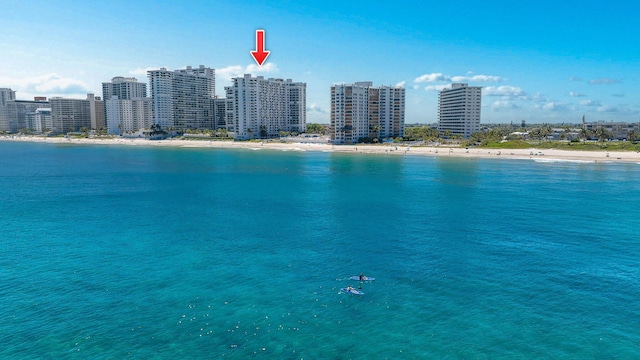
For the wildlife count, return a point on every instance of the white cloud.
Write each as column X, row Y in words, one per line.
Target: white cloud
column 604, row 81
column 264, row 69
column 552, row 106
column 575, row 78
column 435, row 87
column 143, row 72
column 433, row 77
column 401, row 83
column 227, row 73
column 608, row 109
column 590, row 103
column 506, row 91
column 538, row 97
column 499, row 105
column 617, row 95
column 477, row 78
column 224, row 75
column 313, row 107
column 416, row 87
column 439, row 77
column 575, row 94
column 50, row 84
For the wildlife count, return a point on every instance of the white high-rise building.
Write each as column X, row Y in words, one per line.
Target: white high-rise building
column 361, row 111
column 183, row 99
column 261, row 108
column 127, row 107
column 15, row 113
column 219, row 110
column 69, row 115
column 96, row 107
column 124, row 88
column 459, row 109
column 128, row 116
column 6, row 95
column 40, row 120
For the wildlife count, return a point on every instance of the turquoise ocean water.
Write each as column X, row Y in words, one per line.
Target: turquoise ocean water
column 158, row 253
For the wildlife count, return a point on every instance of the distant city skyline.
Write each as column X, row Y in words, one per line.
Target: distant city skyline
column 549, row 62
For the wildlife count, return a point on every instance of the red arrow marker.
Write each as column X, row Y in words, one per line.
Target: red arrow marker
column 260, row 54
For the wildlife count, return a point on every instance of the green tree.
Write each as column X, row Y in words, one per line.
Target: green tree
column 315, row 129
column 602, row 134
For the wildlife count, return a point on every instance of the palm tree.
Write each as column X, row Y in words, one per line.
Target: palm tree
column 376, row 129
column 545, row 131
column 584, row 134
column 602, row 134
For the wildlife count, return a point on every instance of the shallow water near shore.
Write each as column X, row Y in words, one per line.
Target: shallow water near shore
column 164, row 253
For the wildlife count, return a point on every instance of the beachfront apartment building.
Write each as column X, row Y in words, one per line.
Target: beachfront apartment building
column 127, row 107
column 459, row 110
column 219, row 113
column 128, row 116
column 97, row 110
column 362, row 111
column 40, row 120
column 183, row 99
column 14, row 113
column 124, row 88
column 6, row 95
column 69, row 115
column 261, row 108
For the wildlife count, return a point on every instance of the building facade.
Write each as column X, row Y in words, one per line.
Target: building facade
column 183, row 99
column 96, row 108
column 124, row 88
column 459, row 110
column 6, row 95
column 17, row 111
column 40, row 120
column 220, row 111
column 618, row 130
column 128, row 116
column 69, row 115
column 261, row 108
column 127, row 108
column 362, row 111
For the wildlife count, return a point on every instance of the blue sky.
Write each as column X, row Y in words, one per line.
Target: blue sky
column 539, row 61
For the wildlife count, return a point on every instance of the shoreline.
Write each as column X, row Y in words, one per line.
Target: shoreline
column 548, row 155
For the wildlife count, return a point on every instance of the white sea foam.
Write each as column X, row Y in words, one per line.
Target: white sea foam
column 540, row 160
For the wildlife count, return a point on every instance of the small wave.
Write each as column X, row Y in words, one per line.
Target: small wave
column 562, row 161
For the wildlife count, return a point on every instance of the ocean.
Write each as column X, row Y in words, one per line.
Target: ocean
column 122, row 252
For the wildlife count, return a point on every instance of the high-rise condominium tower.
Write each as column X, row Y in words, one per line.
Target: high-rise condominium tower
column 459, row 109
column 69, row 114
column 183, row 99
column 127, row 107
column 261, row 108
column 6, row 95
column 361, row 111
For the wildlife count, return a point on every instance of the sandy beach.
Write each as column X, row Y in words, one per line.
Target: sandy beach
column 386, row 149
